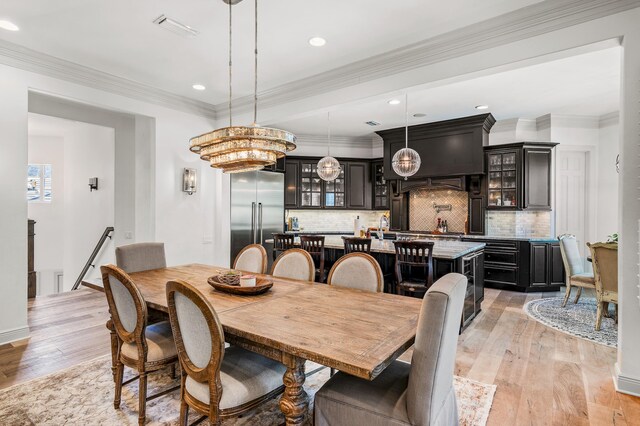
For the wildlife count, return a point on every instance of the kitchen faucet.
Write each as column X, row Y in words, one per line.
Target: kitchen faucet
column 384, row 222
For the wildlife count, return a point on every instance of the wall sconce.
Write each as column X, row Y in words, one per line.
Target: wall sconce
column 189, row 181
column 93, row 184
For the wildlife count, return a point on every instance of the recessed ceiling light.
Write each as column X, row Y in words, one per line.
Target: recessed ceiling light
column 317, row 41
column 482, row 106
column 9, row 26
column 198, row 87
column 419, row 115
column 394, row 102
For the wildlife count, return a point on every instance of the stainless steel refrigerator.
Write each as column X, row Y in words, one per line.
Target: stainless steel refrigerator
column 257, row 209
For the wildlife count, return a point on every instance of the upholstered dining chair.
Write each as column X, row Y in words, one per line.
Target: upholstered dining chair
column 215, row 382
column 356, row 244
column 357, row 270
column 314, row 245
column 252, row 258
column 605, row 270
column 420, row 393
column 574, row 268
column 145, row 348
column 295, row 264
column 282, row 243
column 140, row 257
column 411, row 256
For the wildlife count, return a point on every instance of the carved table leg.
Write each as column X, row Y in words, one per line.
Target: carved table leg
column 294, row 402
column 114, row 347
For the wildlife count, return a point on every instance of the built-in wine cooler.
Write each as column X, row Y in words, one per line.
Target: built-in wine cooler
column 472, row 267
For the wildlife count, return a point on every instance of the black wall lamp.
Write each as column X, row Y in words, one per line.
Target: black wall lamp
column 93, row 184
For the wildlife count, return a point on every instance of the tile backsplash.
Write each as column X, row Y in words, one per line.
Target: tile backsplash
column 334, row 220
column 519, row 224
column 423, row 215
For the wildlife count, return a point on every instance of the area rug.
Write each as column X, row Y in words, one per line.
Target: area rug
column 575, row 319
column 83, row 395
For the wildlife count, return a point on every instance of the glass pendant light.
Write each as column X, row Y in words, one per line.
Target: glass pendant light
column 406, row 162
column 328, row 167
column 236, row 149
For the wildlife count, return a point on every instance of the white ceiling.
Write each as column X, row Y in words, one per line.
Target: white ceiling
column 117, row 36
column 586, row 84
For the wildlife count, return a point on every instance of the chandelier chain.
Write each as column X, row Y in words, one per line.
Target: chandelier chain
column 329, row 133
column 230, row 68
column 406, row 120
column 255, row 79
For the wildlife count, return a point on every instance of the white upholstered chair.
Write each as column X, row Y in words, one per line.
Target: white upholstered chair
column 420, row 393
column 140, row 257
column 576, row 276
column 145, row 348
column 216, row 382
column 295, row 264
column 252, row 258
column 357, row 270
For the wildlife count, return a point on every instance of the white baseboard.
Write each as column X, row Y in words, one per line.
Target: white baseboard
column 628, row 385
column 9, row 336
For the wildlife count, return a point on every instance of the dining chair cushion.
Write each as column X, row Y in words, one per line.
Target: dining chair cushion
column 585, row 277
column 295, row 264
column 245, row 376
column 140, row 257
column 194, row 329
column 252, row 259
column 348, row 400
column 357, row 270
column 160, row 343
column 574, row 263
column 125, row 305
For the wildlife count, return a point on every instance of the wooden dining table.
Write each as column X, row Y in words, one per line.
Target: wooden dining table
column 357, row 332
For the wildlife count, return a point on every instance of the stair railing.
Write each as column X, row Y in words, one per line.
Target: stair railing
column 106, row 234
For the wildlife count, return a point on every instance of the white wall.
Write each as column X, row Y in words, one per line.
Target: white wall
column 49, row 216
column 608, row 205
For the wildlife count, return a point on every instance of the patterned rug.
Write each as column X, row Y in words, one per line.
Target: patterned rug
column 575, row 319
column 83, row 395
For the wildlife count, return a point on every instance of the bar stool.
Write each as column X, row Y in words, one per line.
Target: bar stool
column 357, row 245
column 314, row 245
column 281, row 243
column 414, row 254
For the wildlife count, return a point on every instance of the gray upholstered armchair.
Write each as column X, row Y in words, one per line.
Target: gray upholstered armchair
column 420, row 393
column 574, row 267
column 140, row 257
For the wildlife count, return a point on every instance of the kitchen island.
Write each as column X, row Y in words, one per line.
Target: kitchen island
column 466, row 258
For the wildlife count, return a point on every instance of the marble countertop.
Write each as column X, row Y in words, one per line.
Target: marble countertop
column 442, row 249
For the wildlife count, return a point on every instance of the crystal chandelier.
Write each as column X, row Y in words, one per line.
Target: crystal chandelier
column 328, row 167
column 237, row 149
column 406, row 162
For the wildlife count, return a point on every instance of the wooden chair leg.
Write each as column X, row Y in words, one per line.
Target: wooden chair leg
column 184, row 414
column 566, row 295
column 578, row 294
column 599, row 314
column 118, row 382
column 142, row 398
column 616, row 307
column 332, row 372
column 173, row 371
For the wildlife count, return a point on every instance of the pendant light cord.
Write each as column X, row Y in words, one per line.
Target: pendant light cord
column 255, row 80
column 329, row 134
column 230, row 69
column 406, row 120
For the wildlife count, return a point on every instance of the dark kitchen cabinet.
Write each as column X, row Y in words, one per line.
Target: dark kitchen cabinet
column 352, row 189
column 519, row 176
column 556, row 266
column 291, row 179
column 380, row 197
column 358, row 185
column 399, row 212
column 31, row 273
column 477, row 203
column 539, row 264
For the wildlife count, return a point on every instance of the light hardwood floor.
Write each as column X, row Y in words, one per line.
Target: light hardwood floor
column 544, row 377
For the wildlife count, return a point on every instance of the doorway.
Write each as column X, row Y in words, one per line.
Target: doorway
column 70, row 216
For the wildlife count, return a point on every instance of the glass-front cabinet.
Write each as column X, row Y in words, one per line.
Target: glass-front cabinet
column 310, row 185
column 503, row 179
column 380, row 187
column 334, row 191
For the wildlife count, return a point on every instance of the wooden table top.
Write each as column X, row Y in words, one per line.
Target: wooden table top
column 354, row 331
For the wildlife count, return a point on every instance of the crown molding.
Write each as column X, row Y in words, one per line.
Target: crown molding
column 21, row 57
column 610, row 119
column 520, row 24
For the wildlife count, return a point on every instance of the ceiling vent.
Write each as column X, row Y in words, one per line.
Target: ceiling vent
column 175, row 26
column 372, row 123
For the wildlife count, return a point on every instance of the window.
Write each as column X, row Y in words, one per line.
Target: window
column 39, row 183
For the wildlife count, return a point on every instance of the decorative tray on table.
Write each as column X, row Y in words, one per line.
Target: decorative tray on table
column 262, row 286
